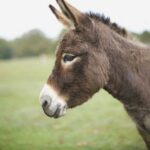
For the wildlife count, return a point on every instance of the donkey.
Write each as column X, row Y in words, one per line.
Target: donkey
column 95, row 54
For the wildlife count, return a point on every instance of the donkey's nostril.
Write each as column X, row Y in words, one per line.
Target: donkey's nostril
column 45, row 104
column 46, row 101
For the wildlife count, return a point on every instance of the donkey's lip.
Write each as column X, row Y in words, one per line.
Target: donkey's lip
column 59, row 112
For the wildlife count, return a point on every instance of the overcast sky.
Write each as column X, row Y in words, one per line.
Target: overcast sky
column 20, row 16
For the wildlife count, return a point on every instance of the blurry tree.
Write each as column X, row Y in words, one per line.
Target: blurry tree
column 32, row 43
column 6, row 51
column 143, row 37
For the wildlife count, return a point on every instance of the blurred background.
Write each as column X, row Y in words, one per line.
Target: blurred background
column 29, row 34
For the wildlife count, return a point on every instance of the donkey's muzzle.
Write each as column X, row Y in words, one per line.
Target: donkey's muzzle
column 54, row 112
column 51, row 103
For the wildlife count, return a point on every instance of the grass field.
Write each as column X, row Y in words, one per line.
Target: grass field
column 100, row 124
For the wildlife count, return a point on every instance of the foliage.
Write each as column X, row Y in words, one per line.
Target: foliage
column 6, row 51
column 32, row 43
column 143, row 37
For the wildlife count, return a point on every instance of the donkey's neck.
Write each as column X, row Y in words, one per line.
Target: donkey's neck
column 125, row 77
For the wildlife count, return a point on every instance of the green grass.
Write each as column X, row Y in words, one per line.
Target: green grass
column 99, row 124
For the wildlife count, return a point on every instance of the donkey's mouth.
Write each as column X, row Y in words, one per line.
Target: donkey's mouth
column 56, row 111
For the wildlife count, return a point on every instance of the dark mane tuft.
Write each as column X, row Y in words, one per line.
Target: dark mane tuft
column 106, row 21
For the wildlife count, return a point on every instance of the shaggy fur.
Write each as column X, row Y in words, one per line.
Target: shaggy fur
column 107, row 59
column 106, row 21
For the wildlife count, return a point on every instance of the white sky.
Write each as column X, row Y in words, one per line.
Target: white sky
column 20, row 16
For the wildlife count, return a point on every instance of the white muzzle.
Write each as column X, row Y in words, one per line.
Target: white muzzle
column 52, row 104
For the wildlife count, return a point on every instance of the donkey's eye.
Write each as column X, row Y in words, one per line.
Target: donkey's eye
column 68, row 57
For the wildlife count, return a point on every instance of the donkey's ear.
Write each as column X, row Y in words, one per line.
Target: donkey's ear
column 61, row 17
column 71, row 12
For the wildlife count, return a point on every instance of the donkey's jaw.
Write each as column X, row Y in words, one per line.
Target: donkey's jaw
column 53, row 105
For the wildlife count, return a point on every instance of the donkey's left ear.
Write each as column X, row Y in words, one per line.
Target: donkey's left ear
column 72, row 13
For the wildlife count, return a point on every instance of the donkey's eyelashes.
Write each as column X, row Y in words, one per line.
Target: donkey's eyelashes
column 68, row 57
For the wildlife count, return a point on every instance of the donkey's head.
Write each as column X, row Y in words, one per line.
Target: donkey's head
column 81, row 64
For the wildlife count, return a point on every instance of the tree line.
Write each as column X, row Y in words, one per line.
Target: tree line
column 35, row 43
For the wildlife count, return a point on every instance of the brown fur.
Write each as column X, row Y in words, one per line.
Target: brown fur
column 106, row 20
column 108, row 60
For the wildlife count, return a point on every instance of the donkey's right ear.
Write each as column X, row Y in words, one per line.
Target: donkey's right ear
column 62, row 18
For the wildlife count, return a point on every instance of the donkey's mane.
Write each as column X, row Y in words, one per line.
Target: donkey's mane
column 106, row 20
